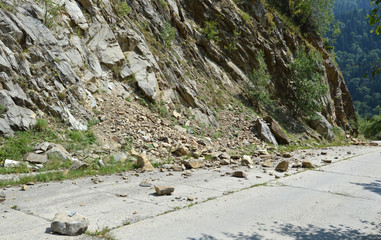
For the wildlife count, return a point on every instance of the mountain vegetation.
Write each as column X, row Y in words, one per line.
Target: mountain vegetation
column 357, row 49
column 358, row 52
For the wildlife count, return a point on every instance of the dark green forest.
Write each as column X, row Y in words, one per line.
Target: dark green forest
column 356, row 50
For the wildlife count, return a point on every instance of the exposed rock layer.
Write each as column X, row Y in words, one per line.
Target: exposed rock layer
column 89, row 48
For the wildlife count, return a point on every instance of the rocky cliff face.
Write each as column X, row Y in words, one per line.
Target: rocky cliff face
column 62, row 59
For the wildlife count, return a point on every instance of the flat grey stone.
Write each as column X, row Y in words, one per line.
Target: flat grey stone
column 66, row 225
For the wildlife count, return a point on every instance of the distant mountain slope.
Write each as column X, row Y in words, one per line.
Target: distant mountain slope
column 356, row 50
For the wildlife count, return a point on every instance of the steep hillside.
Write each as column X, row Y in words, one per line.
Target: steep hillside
column 152, row 71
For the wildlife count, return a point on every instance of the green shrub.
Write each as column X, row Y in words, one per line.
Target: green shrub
column 80, row 139
column 211, row 31
column 16, row 147
column 260, row 79
column 168, row 34
column 307, row 85
column 311, row 15
column 52, row 11
column 3, row 109
column 370, row 127
column 233, row 42
column 245, row 17
column 41, row 125
column 93, row 122
column 122, row 8
column 163, row 3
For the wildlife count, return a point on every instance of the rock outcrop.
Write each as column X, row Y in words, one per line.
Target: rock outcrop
column 57, row 62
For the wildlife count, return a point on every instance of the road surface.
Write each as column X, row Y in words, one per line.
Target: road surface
column 339, row 201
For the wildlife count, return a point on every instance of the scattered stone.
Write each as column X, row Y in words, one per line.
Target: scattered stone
column 101, row 163
column 179, row 151
column 239, row 174
column 71, row 226
column 176, row 114
column 247, row 161
column 307, row 164
column 24, row 187
column 187, row 173
column 190, row 199
column 57, row 151
column 327, row 161
column 323, row 153
column 167, row 166
column 122, row 195
column 77, row 164
column 133, row 153
column 2, row 197
column 282, row 166
column 29, row 183
column 224, row 155
column 267, row 164
column 194, row 163
column 145, row 184
column 180, row 129
column 119, row 157
column 44, row 146
column 177, row 168
column 144, row 164
column 263, row 152
column 225, row 162
column 11, row 163
column 160, row 190
column 286, row 155
column 297, row 165
column 96, row 180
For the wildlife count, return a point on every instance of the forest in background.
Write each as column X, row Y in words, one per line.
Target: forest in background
column 356, row 50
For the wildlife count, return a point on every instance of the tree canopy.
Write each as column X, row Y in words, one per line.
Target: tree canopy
column 311, row 15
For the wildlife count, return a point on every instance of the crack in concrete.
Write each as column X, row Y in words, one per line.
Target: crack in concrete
column 329, row 192
column 345, row 174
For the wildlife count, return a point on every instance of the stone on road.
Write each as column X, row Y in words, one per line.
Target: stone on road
column 69, row 225
column 339, row 201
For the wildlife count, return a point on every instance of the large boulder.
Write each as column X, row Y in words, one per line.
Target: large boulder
column 36, row 158
column 144, row 75
column 278, row 132
column 264, row 132
column 323, row 127
column 106, row 46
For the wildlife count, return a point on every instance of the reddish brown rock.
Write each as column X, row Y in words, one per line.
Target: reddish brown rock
column 282, row 166
column 277, row 131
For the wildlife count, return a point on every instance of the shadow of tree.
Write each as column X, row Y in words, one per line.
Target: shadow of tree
column 373, row 186
column 309, row 232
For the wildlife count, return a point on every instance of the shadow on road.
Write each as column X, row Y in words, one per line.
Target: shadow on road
column 373, row 186
column 291, row 231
